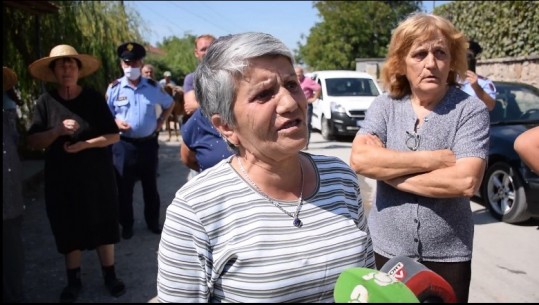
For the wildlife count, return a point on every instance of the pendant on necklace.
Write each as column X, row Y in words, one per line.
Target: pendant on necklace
column 297, row 222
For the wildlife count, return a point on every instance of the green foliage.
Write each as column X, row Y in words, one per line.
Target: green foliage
column 350, row 30
column 91, row 27
column 502, row 28
column 179, row 58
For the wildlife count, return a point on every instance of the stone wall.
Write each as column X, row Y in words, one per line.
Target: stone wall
column 515, row 69
column 373, row 66
column 518, row 69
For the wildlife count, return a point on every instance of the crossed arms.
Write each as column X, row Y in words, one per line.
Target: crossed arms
column 435, row 173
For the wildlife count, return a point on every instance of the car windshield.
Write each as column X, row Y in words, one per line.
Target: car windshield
column 515, row 103
column 351, row 87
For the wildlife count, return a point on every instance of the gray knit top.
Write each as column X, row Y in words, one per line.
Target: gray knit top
column 431, row 229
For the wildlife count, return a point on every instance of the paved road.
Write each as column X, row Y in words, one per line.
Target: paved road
column 505, row 266
column 136, row 259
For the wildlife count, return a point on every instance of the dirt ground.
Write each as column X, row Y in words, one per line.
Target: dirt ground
column 136, row 259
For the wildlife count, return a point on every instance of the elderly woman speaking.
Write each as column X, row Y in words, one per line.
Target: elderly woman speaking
column 269, row 223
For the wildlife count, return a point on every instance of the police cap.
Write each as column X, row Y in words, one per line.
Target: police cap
column 130, row 51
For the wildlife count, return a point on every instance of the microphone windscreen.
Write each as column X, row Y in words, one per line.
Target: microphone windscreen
column 364, row 285
column 427, row 285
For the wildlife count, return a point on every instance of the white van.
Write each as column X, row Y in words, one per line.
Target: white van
column 345, row 97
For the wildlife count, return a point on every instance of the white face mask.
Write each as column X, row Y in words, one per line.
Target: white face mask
column 132, row 73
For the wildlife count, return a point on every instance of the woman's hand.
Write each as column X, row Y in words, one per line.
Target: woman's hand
column 122, row 125
column 68, row 127
column 372, row 139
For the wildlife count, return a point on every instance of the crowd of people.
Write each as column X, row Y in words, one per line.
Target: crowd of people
column 260, row 219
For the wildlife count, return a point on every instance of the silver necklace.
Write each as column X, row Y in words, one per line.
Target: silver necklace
column 297, row 222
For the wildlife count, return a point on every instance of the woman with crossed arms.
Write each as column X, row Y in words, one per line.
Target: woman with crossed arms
column 426, row 142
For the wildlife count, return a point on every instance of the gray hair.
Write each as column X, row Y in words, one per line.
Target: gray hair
column 224, row 63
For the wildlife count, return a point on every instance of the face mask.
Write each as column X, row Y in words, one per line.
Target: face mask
column 132, row 73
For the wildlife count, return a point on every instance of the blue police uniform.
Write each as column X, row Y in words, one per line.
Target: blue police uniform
column 136, row 106
column 135, row 155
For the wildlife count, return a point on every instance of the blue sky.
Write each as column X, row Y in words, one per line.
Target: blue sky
column 286, row 20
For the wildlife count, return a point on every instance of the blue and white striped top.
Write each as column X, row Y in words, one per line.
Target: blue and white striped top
column 223, row 241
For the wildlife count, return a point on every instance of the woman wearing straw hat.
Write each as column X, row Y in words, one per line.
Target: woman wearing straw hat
column 75, row 127
column 12, row 199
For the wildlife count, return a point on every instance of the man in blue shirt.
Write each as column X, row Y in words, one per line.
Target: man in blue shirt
column 202, row 43
column 188, row 156
column 132, row 100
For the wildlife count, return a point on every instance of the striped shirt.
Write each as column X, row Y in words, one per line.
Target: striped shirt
column 223, row 241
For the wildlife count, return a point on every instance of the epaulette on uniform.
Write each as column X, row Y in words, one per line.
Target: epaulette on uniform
column 114, row 83
column 152, row 82
column 481, row 77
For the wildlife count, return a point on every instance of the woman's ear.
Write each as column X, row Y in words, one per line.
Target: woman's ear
column 224, row 129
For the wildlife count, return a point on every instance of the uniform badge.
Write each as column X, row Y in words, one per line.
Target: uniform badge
column 121, row 98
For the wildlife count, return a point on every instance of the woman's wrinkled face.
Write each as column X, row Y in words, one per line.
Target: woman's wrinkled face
column 428, row 64
column 66, row 71
column 270, row 109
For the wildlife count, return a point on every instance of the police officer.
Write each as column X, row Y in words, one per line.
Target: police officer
column 477, row 85
column 132, row 100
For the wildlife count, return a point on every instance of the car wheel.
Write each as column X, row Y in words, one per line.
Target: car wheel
column 327, row 129
column 504, row 195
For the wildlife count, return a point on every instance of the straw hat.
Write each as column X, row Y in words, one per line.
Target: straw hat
column 40, row 68
column 9, row 77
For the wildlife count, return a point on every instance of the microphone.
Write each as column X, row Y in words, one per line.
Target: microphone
column 427, row 285
column 364, row 285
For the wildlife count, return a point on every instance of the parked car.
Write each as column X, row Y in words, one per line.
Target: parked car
column 345, row 97
column 510, row 189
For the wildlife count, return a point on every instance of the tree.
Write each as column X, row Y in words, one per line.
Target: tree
column 352, row 29
column 178, row 59
column 502, row 28
column 91, row 27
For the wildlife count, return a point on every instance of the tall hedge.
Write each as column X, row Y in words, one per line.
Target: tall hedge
column 503, row 28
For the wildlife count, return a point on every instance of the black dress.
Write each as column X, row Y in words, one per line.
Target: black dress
column 81, row 195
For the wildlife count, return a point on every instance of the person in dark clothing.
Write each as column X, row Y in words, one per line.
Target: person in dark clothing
column 75, row 127
column 13, row 257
